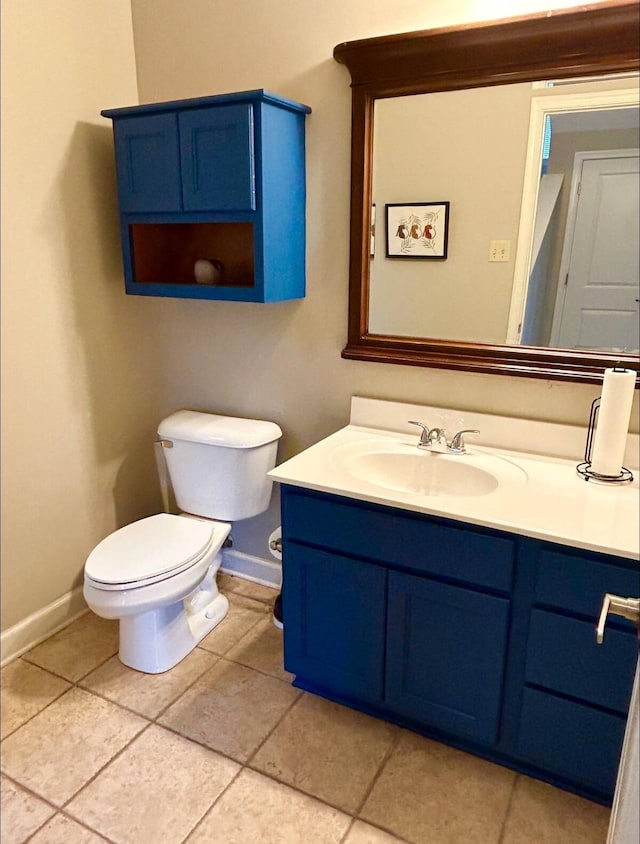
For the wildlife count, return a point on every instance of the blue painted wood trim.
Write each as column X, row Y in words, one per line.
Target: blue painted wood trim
column 281, row 176
column 194, row 291
column 256, row 95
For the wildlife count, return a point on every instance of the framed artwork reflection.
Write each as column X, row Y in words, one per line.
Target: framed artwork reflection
column 417, row 230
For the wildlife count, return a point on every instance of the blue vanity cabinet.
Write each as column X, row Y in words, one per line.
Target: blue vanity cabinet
column 399, row 612
column 218, row 178
column 480, row 638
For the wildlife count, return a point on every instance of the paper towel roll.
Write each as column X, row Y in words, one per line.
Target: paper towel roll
column 613, row 421
column 277, row 534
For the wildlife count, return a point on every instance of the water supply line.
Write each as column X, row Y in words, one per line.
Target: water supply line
column 163, row 472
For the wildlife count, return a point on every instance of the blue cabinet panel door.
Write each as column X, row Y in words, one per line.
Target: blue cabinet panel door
column 445, row 655
column 148, row 163
column 334, row 614
column 218, row 159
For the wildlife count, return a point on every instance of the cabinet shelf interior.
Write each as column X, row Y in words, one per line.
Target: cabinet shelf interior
column 165, row 253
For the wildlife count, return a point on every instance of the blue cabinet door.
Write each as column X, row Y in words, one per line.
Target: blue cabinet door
column 446, row 650
column 148, row 163
column 334, row 618
column 218, row 166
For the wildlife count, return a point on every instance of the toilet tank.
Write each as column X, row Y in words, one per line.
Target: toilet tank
column 218, row 464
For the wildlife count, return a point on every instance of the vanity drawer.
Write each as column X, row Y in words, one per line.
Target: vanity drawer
column 422, row 544
column 572, row 740
column 563, row 655
column 579, row 584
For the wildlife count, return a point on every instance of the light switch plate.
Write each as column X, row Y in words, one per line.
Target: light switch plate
column 499, row 251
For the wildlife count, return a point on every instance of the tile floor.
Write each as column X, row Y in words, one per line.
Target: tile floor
column 222, row 748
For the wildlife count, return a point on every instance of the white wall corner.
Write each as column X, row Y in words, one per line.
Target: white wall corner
column 37, row 627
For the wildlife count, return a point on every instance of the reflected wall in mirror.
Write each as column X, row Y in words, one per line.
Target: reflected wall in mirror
column 471, row 134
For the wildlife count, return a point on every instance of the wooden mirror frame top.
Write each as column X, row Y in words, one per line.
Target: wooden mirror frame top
column 586, row 41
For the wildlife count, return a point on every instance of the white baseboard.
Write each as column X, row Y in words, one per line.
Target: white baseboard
column 266, row 572
column 37, row 627
column 40, row 625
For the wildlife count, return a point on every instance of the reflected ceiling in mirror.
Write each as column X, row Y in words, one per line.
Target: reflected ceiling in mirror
column 472, row 148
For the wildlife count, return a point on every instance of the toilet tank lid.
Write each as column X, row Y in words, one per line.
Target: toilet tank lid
column 224, row 431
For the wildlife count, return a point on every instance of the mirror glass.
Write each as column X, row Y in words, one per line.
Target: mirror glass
column 508, row 215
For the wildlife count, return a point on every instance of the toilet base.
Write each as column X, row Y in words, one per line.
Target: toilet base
column 155, row 641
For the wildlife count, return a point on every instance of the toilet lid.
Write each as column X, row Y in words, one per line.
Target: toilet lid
column 149, row 548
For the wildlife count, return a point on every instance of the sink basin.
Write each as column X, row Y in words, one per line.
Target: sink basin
column 404, row 468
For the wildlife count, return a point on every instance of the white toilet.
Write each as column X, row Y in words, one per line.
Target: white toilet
column 158, row 575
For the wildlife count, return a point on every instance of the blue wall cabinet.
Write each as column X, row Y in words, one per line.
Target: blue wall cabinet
column 219, row 179
column 480, row 638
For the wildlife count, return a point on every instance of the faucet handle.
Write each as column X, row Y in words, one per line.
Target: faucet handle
column 457, row 441
column 424, row 436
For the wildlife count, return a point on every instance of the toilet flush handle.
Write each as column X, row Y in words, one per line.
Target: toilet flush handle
column 164, row 443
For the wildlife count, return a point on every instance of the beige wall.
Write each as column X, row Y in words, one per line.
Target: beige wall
column 282, row 362
column 88, row 371
column 79, row 368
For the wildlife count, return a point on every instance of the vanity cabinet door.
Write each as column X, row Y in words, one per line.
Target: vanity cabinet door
column 148, row 163
column 334, row 614
column 445, row 656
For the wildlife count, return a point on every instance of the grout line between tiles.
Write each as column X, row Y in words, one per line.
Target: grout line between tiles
column 186, row 688
column 237, row 642
column 75, row 820
column 390, row 750
column 258, row 670
column 99, row 771
column 503, row 828
column 57, row 810
column 272, row 730
column 35, row 714
column 357, row 814
column 62, row 677
column 30, row 791
column 208, row 810
column 347, row 830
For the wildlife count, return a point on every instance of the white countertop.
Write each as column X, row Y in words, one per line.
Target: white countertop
column 554, row 504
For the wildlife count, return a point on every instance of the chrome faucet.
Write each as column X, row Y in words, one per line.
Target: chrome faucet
column 435, row 439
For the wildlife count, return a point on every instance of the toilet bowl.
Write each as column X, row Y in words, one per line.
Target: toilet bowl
column 157, row 576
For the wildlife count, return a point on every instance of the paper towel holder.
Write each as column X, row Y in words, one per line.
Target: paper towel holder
column 584, row 469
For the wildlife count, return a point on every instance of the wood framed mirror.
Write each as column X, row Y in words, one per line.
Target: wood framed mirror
column 589, row 42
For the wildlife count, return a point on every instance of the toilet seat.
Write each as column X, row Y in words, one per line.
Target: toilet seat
column 149, row 551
